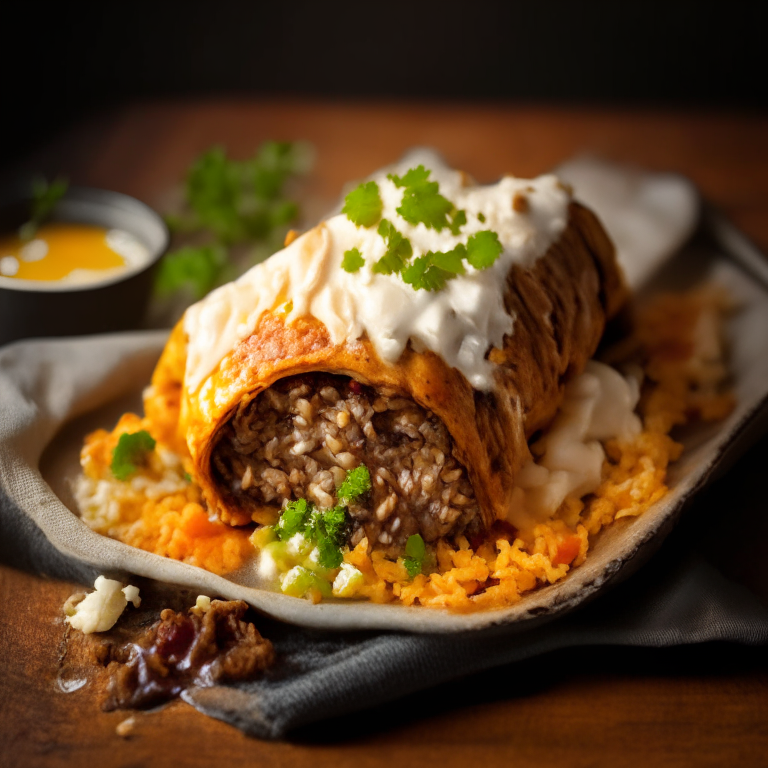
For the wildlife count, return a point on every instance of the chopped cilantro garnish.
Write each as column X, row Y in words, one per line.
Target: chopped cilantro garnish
column 355, row 484
column 325, row 528
column 481, row 217
column 328, row 529
column 431, row 271
column 130, row 452
column 363, row 205
column 458, row 221
column 399, row 250
column 294, row 519
column 422, row 202
column 412, row 178
column 483, row 249
column 415, row 550
column 353, row 260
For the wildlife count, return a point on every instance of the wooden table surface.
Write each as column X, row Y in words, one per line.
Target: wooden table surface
column 685, row 706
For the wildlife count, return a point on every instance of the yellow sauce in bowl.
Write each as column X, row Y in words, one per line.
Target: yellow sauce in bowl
column 73, row 253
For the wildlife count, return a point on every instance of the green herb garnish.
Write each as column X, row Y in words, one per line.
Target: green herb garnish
column 363, row 204
column 328, row 529
column 415, row 550
column 483, row 249
column 130, row 453
column 422, row 202
column 399, row 250
column 481, row 217
column 458, row 221
column 197, row 269
column 353, row 260
column 294, row 519
column 431, row 271
column 236, row 211
column 45, row 195
column 355, row 484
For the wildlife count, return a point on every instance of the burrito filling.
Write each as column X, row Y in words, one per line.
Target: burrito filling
column 298, row 439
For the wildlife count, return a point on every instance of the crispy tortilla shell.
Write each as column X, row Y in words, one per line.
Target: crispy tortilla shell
column 560, row 307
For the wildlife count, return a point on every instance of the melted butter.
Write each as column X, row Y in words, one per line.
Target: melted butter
column 69, row 253
column 460, row 323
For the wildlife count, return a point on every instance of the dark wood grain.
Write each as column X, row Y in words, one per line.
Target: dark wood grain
column 702, row 706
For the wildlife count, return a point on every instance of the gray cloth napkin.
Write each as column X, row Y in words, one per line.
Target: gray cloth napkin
column 690, row 592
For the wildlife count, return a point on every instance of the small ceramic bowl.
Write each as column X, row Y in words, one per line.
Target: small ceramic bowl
column 118, row 302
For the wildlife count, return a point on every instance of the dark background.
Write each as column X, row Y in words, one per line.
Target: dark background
column 61, row 63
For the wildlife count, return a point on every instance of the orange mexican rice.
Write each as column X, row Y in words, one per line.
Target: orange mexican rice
column 675, row 349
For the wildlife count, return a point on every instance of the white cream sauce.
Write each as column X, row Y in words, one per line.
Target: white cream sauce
column 459, row 323
column 598, row 406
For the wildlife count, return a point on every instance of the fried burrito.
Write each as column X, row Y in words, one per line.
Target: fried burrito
column 425, row 333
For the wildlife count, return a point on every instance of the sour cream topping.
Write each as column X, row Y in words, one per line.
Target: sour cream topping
column 598, row 406
column 459, row 323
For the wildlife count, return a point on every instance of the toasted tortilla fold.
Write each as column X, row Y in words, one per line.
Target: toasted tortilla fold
column 560, row 307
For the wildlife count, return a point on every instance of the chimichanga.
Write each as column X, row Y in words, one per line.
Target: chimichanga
column 426, row 332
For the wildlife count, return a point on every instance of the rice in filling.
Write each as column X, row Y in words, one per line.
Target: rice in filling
column 298, row 438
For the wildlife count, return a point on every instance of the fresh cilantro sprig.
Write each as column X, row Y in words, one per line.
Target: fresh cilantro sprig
column 130, row 453
column 45, row 195
column 431, row 271
column 236, row 212
column 363, row 204
column 399, row 250
column 422, row 202
column 415, row 551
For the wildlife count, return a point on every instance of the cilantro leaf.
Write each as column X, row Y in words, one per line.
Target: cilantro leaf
column 483, row 249
column 130, row 452
column 399, row 250
column 415, row 550
column 422, row 202
column 199, row 269
column 431, row 271
column 458, row 221
column 353, row 260
column 481, row 217
column 412, row 177
column 355, row 484
column 294, row 519
column 363, row 205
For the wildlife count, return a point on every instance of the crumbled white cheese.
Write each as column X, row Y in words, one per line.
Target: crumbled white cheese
column 99, row 610
column 347, row 581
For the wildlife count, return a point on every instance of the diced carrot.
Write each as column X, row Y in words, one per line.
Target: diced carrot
column 567, row 551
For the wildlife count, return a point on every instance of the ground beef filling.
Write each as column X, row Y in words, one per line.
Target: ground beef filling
column 185, row 649
column 299, row 437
